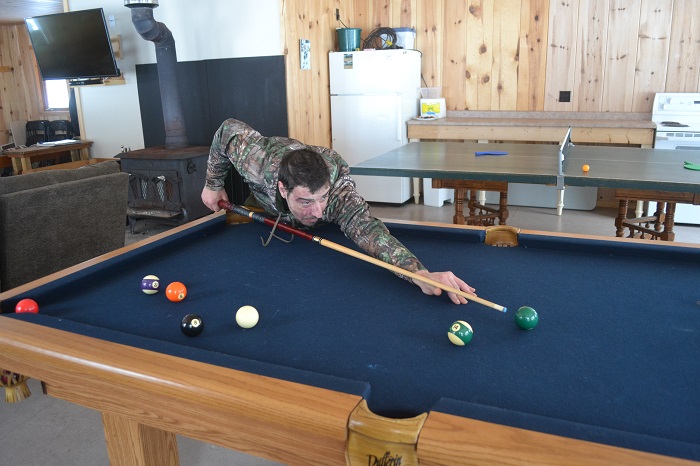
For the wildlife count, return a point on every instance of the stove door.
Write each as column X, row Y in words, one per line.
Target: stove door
column 677, row 140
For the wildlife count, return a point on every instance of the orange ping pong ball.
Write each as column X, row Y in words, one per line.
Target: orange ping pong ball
column 586, row 168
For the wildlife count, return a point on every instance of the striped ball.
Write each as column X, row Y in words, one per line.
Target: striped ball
column 150, row 284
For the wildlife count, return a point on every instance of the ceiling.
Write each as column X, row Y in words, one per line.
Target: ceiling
column 14, row 11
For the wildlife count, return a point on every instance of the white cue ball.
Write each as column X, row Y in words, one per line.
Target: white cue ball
column 247, row 316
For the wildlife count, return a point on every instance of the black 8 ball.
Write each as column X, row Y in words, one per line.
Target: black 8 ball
column 192, row 325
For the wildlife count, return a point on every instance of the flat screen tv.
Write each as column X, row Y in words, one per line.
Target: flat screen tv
column 73, row 45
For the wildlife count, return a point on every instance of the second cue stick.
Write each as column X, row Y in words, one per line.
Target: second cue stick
column 358, row 255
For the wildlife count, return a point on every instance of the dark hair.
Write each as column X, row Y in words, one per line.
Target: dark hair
column 303, row 167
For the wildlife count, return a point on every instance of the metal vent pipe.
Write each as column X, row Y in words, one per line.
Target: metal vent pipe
column 166, row 61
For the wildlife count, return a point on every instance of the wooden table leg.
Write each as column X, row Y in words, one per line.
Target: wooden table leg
column 503, row 208
column 660, row 215
column 26, row 163
column 132, row 444
column 16, row 165
column 473, row 201
column 621, row 217
column 667, row 234
column 458, row 218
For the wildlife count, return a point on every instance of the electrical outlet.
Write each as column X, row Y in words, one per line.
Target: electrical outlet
column 564, row 96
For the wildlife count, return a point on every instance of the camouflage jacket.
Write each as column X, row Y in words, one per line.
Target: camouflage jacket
column 257, row 159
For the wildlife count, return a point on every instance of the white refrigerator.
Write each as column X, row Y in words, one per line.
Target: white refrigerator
column 373, row 94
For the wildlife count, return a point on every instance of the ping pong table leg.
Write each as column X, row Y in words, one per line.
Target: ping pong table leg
column 416, row 189
column 482, row 197
column 560, row 201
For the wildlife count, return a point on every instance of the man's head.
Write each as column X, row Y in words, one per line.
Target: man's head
column 304, row 183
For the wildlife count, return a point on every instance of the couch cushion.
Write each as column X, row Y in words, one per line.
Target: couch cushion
column 13, row 184
column 51, row 227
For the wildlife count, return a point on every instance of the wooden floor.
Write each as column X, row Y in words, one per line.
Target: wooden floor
column 43, row 430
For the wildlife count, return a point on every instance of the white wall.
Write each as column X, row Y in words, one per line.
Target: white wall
column 203, row 30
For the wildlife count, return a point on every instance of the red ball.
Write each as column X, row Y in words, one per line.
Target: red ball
column 27, row 305
column 176, row 292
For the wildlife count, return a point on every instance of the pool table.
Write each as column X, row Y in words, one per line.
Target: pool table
column 350, row 363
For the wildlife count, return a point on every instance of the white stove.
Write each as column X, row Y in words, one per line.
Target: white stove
column 677, row 118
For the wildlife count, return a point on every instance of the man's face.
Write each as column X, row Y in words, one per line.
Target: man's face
column 307, row 207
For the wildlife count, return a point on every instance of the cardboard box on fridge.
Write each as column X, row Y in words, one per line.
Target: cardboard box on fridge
column 433, row 108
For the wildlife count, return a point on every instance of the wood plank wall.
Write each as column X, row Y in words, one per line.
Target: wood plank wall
column 612, row 55
column 20, row 98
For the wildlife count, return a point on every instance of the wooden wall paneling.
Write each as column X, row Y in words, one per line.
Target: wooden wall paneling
column 362, row 16
column 380, row 14
column 561, row 55
column 683, row 70
column 590, row 63
column 6, row 82
column 623, row 30
column 321, row 32
column 429, row 18
column 588, row 47
column 20, row 98
column 454, row 37
column 14, row 106
column 404, row 15
column 504, row 72
column 532, row 54
column 479, row 54
column 652, row 52
column 290, row 32
column 306, row 90
column 30, row 77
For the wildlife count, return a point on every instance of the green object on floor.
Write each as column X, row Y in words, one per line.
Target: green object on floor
column 691, row 165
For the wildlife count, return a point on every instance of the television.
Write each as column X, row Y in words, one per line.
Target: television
column 73, row 46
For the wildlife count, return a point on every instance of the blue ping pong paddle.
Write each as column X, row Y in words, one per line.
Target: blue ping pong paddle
column 491, row 152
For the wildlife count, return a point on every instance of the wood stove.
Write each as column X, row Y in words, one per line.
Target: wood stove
column 165, row 185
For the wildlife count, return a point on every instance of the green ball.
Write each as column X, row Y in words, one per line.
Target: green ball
column 460, row 333
column 526, row 318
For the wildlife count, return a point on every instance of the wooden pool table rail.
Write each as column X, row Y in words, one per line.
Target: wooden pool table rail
column 146, row 398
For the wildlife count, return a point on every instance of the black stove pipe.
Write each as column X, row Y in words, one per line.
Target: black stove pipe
column 166, row 59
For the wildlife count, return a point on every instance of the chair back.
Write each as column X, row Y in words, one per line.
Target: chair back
column 37, row 131
column 60, row 129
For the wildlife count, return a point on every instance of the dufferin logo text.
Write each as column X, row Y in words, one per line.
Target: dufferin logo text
column 386, row 460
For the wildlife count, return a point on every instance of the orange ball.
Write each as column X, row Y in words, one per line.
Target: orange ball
column 586, row 168
column 176, row 292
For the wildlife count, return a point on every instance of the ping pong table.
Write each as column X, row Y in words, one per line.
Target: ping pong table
column 634, row 173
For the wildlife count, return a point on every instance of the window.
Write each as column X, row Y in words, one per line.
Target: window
column 56, row 93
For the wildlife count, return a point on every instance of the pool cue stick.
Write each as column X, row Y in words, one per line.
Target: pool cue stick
column 258, row 217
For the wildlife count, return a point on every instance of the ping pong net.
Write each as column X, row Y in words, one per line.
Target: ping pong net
column 564, row 149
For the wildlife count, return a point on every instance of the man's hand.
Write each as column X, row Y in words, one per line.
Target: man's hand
column 211, row 198
column 446, row 278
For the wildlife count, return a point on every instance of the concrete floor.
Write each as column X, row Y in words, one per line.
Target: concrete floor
column 46, row 431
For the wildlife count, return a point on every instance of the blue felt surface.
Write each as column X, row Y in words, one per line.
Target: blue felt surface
column 615, row 349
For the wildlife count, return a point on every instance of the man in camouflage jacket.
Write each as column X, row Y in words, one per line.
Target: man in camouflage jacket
column 332, row 198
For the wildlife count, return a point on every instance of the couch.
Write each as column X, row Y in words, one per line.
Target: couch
column 50, row 220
